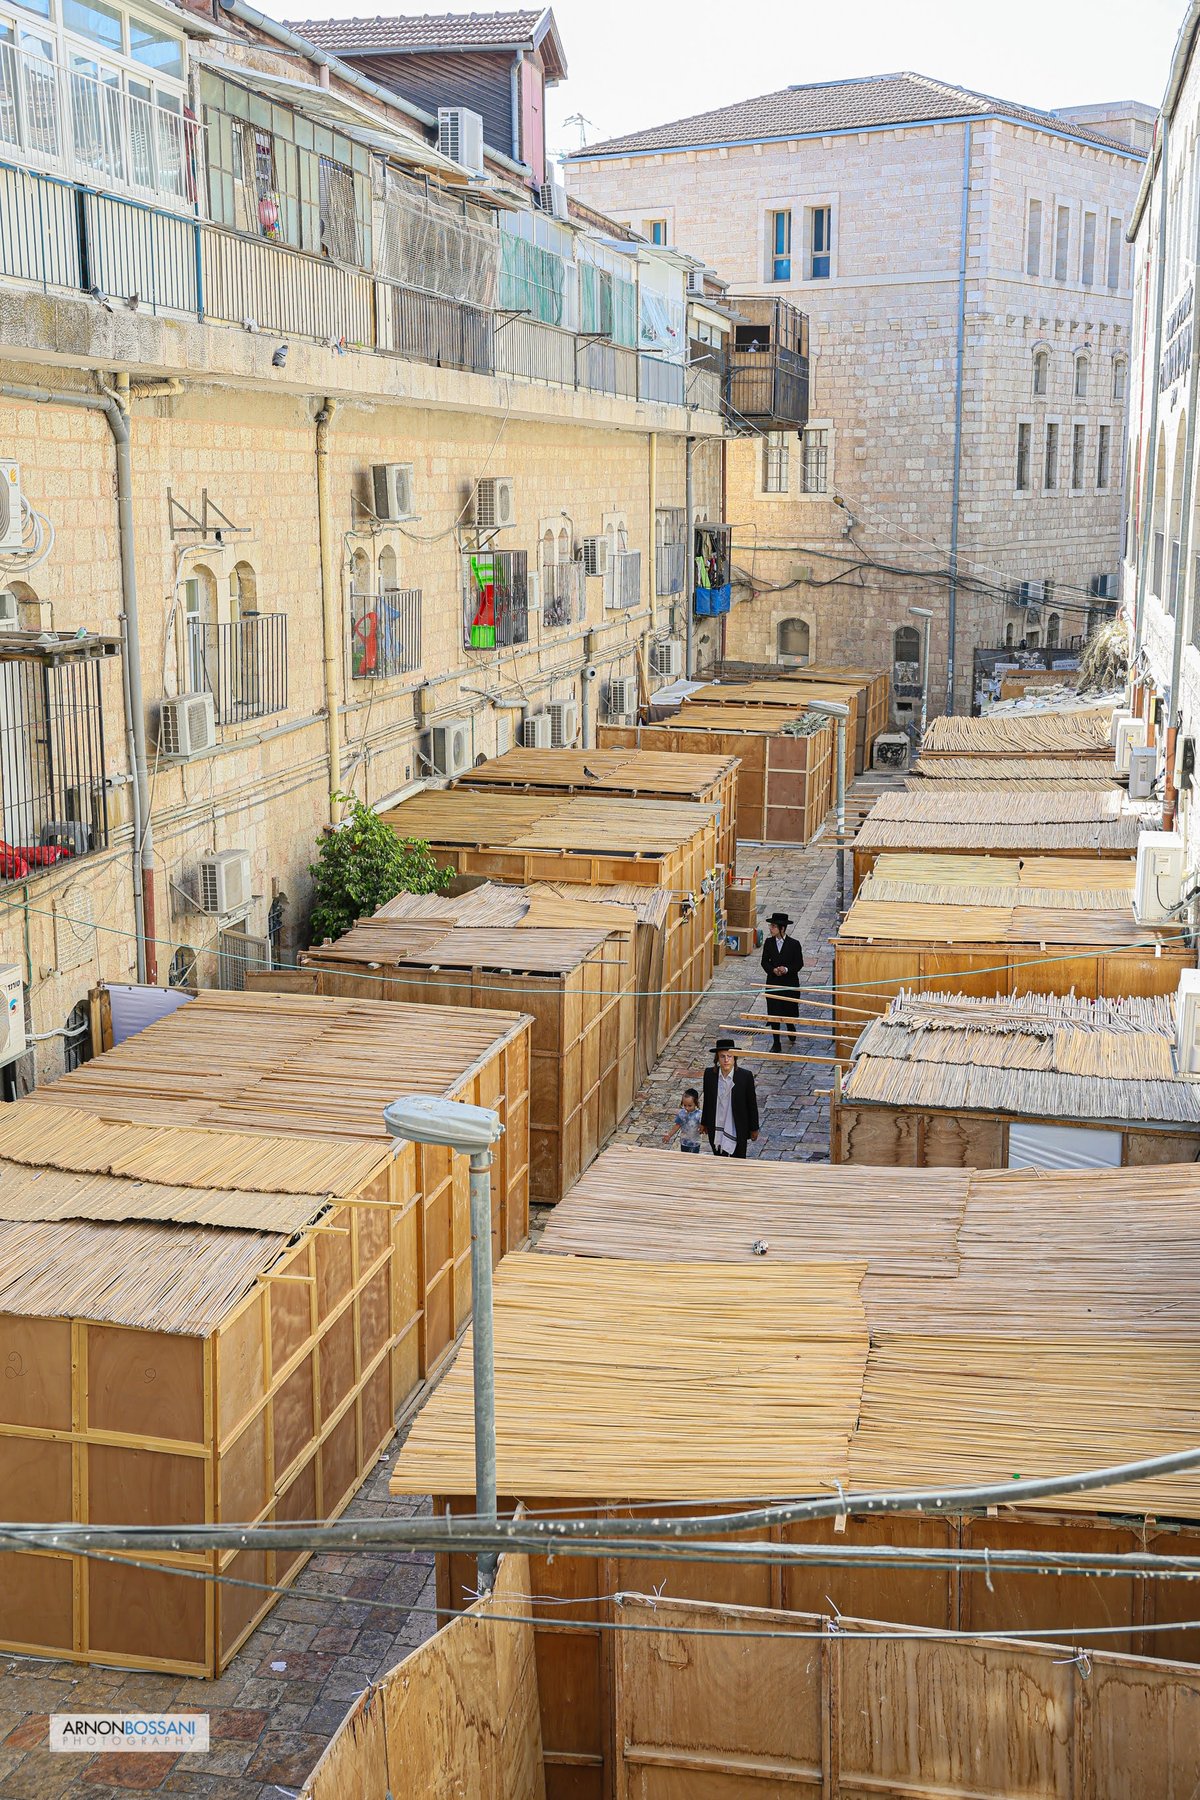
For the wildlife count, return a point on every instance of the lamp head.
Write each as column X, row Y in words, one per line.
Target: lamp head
column 428, row 1119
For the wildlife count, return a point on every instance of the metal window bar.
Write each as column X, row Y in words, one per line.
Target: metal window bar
column 495, row 599
column 623, row 582
column 775, row 463
column 53, row 793
column 238, row 954
column 1156, row 572
column 670, row 568
column 243, row 665
column 660, row 380
column 434, row 329
column 536, row 352
column 564, row 594
column 385, row 633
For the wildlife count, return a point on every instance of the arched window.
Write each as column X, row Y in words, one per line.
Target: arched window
column 243, row 591
column 1053, row 629
column 1008, row 634
column 388, row 573
column 906, row 646
column 1041, row 371
column 198, row 597
column 1081, row 377
column 360, row 573
column 792, row 638
column 28, row 607
column 1120, row 369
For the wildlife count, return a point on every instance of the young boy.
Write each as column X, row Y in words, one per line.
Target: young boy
column 687, row 1123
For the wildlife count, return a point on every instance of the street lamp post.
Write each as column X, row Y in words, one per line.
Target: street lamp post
column 470, row 1131
column 926, row 613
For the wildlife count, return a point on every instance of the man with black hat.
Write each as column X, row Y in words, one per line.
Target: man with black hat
column 782, row 961
column 729, row 1115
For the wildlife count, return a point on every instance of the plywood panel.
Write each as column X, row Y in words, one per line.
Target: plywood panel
column 36, row 1589
column 921, row 1597
column 35, row 1372
column 35, row 1479
column 967, row 1141
column 144, row 1382
column 127, row 1486
column 1015, row 1602
column 135, row 1612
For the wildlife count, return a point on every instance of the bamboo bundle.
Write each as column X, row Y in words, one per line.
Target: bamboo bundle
column 962, row 923
column 1079, row 733
column 952, row 893
column 152, row 1277
column 642, row 1204
column 1074, row 881
column 691, row 1381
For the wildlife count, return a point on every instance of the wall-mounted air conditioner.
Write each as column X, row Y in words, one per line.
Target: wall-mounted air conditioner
column 695, row 281
column 1120, row 712
column 1130, row 732
column 564, row 723
column 12, row 512
column 596, row 554
column 187, row 727
column 10, row 611
column 622, row 696
column 460, row 136
column 1143, row 763
column 450, row 748
column 554, row 198
column 224, row 882
column 12, row 1013
column 666, row 658
column 1187, row 1023
column 1158, row 877
column 494, row 504
column 537, row 732
column 392, row 491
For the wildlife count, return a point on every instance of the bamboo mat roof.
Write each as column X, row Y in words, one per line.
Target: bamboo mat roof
column 290, row 1065
column 940, row 816
column 155, row 1277
column 1001, row 772
column 1063, row 874
column 395, row 942
column 693, row 1381
column 628, row 771
column 1083, row 732
column 652, row 906
column 760, row 721
column 628, row 1204
column 770, row 693
column 48, row 1193
column 500, row 905
column 888, row 921
column 1032, row 1055
column 942, row 804
column 594, row 824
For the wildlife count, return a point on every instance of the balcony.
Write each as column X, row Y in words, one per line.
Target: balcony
column 242, row 664
column 385, row 634
column 433, row 329
column 564, row 594
column 623, row 580
column 767, row 381
column 660, row 380
column 495, row 599
column 53, row 757
column 607, row 368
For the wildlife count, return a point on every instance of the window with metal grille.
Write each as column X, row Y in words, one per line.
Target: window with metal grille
column 1050, row 463
column 1024, row 436
column 670, row 556
column 775, row 463
column 1120, row 366
column 1081, row 377
column 816, row 460
column 1156, row 563
column 1173, row 584
column 340, row 235
column 1104, row 456
column 53, row 768
column 1078, row 452
column 77, row 1038
column 1033, row 239
column 385, row 633
column 242, row 664
column 495, row 599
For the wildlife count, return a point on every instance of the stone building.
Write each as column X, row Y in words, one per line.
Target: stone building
column 331, row 462
column 963, row 267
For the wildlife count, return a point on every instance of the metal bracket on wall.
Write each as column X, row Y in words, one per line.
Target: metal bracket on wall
column 211, row 521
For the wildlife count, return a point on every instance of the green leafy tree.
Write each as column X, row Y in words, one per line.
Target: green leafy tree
column 360, row 864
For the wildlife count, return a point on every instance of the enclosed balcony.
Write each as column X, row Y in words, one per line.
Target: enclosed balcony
column 767, row 380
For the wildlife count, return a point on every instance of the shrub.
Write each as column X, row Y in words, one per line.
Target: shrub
column 360, row 864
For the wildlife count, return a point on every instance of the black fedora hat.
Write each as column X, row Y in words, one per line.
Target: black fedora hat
column 779, row 918
column 723, row 1044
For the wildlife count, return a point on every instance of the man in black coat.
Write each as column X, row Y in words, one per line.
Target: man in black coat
column 782, row 961
column 729, row 1113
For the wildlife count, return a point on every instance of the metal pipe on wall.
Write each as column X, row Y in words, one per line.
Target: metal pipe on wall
column 689, row 546
column 331, row 610
column 956, row 485
column 117, row 416
column 1150, row 467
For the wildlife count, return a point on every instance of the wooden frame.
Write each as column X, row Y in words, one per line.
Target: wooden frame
column 872, row 689
column 931, row 1137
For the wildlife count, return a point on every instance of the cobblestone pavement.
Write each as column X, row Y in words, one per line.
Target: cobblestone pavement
column 269, row 1725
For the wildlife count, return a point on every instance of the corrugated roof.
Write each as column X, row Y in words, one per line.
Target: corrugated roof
column 837, row 106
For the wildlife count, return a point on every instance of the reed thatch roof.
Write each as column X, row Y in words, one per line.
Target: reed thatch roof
column 1082, row 732
column 959, row 922
column 1030, row 1056
column 996, row 772
column 634, row 772
column 581, row 823
column 941, row 817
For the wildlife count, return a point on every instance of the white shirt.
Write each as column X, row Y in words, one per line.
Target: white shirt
column 724, row 1120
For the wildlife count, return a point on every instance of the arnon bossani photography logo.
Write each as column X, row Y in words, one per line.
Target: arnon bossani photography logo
column 167, row 1733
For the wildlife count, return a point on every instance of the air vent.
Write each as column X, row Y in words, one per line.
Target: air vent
column 596, row 555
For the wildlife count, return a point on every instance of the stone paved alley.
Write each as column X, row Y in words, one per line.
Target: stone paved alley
column 347, row 1619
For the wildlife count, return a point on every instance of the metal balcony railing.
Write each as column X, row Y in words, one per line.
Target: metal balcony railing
column 433, row 329
column 385, row 633
column 53, row 766
column 495, row 599
column 660, row 380
column 96, row 131
column 243, row 665
column 608, row 368
column 535, row 351
column 284, row 290
column 670, row 568
column 623, row 580
column 564, row 594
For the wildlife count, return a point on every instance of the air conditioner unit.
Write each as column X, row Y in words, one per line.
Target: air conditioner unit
column 12, row 1013
column 10, row 611
column 537, row 731
column 224, row 882
column 1187, row 1023
column 392, row 490
column 666, row 658
column 564, row 723
column 1130, row 732
column 495, row 504
column 891, row 750
column 1158, row 878
column 695, row 281
column 460, row 136
column 187, row 726
column 597, row 552
column 553, row 198
column 1121, row 712
column 450, row 747
column 622, row 696
column 1103, row 587
column 1032, row 593
column 12, row 511
column 1143, row 762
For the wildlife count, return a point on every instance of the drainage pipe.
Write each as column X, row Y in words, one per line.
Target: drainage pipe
column 330, row 607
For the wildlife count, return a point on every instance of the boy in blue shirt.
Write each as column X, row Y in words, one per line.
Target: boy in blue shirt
column 687, row 1123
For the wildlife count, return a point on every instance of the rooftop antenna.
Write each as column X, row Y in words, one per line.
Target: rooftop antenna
column 584, row 125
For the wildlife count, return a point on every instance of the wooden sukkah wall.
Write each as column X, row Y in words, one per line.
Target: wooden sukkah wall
column 785, row 782
column 596, row 842
column 782, row 696
column 873, row 686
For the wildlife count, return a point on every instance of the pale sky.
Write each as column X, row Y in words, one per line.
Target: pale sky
column 635, row 63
